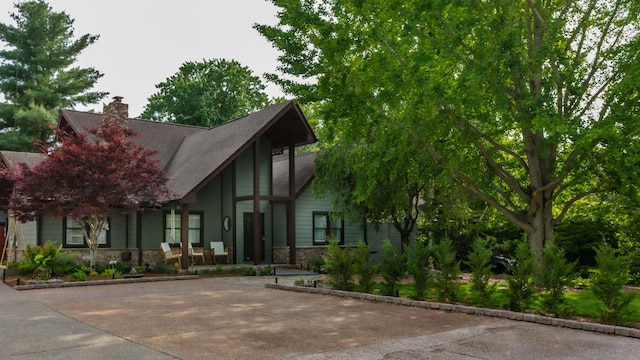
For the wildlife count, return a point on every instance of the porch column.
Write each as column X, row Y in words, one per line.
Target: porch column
column 184, row 236
column 256, row 203
column 291, row 215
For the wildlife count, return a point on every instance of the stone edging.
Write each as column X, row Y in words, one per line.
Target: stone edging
column 104, row 282
column 466, row 309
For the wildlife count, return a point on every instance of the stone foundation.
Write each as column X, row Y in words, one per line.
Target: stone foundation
column 304, row 254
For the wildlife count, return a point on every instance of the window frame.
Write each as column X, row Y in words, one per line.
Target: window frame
column 166, row 222
column 330, row 225
column 65, row 227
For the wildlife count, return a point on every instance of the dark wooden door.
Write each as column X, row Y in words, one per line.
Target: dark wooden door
column 248, row 237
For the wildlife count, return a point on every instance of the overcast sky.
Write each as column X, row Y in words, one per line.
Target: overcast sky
column 143, row 42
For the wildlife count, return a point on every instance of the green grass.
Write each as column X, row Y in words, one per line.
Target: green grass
column 582, row 303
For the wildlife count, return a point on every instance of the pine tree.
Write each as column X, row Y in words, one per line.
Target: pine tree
column 36, row 74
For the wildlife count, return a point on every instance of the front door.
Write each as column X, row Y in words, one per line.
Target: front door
column 248, row 237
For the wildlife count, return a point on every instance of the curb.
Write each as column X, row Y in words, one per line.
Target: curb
column 103, row 282
column 467, row 309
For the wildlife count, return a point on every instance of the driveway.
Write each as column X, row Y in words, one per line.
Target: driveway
column 238, row 318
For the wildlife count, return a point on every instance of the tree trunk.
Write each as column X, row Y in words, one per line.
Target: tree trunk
column 541, row 232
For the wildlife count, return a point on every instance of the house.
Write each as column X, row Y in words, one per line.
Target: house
column 233, row 183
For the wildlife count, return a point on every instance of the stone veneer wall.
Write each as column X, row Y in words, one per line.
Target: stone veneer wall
column 304, row 254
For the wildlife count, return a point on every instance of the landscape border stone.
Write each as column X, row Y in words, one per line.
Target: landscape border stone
column 58, row 284
column 506, row 314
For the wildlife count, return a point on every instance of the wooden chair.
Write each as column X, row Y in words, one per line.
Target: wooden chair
column 193, row 254
column 168, row 254
column 218, row 249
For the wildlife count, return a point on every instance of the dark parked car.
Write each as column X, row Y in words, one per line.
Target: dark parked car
column 501, row 264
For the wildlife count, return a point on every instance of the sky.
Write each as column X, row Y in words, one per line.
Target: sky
column 143, row 42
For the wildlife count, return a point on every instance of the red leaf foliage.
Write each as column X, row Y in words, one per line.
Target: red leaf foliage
column 89, row 175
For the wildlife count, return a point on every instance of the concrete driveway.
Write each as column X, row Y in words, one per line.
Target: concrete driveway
column 238, row 318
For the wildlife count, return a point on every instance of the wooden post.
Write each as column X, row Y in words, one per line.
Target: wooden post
column 291, row 215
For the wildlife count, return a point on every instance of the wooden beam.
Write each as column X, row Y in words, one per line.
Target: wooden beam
column 256, row 202
column 291, row 214
column 184, row 235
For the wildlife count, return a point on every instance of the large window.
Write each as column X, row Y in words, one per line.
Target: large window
column 173, row 227
column 73, row 236
column 324, row 226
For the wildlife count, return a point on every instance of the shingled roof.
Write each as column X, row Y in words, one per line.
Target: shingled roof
column 191, row 156
column 11, row 158
column 304, row 173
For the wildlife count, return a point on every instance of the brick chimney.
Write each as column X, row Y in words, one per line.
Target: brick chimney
column 116, row 111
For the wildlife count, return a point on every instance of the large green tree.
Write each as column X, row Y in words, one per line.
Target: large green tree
column 37, row 76
column 206, row 94
column 532, row 104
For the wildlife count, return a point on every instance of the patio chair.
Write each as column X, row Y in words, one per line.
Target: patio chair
column 218, row 249
column 193, row 254
column 168, row 254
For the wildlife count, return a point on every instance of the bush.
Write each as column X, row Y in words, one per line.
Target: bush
column 79, row 275
column 339, row 266
column 607, row 281
column 48, row 258
column 111, row 273
column 554, row 275
column 418, row 267
column 265, row 271
column 479, row 263
column 248, row 271
column 520, row 281
column 392, row 267
column 364, row 267
column 446, row 281
column 318, row 266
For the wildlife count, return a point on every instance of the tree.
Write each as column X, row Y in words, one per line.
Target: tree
column 36, row 77
column 206, row 94
column 532, row 105
column 86, row 177
column 388, row 189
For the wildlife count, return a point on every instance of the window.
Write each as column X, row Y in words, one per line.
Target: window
column 324, row 226
column 73, row 236
column 172, row 232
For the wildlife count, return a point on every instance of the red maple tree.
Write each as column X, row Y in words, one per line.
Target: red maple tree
column 86, row 177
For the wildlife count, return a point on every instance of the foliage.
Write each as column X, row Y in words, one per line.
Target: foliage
column 79, row 275
column 607, row 281
column 206, row 94
column 554, row 275
column 339, row 265
column 66, row 262
column 37, row 76
column 120, row 267
column 48, row 257
column 520, row 281
column 446, row 281
column 318, row 265
column 111, row 273
column 480, row 264
column 402, row 180
column 364, row 267
column 531, row 106
column 265, row 271
column 418, row 265
column 393, row 268
column 248, row 271
column 87, row 177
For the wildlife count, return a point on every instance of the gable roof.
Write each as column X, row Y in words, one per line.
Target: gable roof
column 191, row 156
column 11, row 158
column 303, row 173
